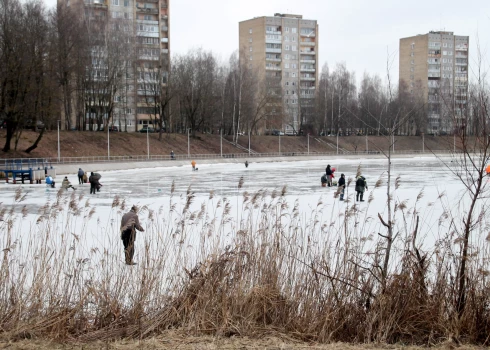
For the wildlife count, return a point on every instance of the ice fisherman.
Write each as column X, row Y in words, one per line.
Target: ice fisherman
column 129, row 224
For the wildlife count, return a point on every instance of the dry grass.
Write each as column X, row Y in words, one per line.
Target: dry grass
column 265, row 271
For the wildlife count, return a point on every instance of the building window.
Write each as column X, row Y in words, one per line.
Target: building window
column 286, row 38
column 293, row 75
column 250, row 58
column 115, row 2
column 413, row 46
column 287, row 47
column 126, row 3
column 444, row 45
column 250, row 40
column 250, row 30
column 411, row 77
column 293, row 38
column 287, row 57
column 250, row 48
column 287, row 29
column 412, row 54
column 294, row 48
column 286, row 65
column 411, row 69
column 293, row 30
column 293, row 65
column 412, row 62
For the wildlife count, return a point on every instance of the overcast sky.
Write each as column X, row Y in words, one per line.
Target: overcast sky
column 362, row 33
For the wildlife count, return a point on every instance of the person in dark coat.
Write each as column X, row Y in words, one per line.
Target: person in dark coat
column 246, row 164
column 94, row 183
column 172, row 155
column 361, row 186
column 80, row 176
column 129, row 224
column 329, row 173
column 324, row 180
column 341, row 186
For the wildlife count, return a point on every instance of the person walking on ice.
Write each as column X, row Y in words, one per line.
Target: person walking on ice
column 129, row 224
column 193, row 163
column 361, row 186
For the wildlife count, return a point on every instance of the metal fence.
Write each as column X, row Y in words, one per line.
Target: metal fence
column 34, row 162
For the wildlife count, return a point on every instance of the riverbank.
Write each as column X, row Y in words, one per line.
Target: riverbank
column 121, row 144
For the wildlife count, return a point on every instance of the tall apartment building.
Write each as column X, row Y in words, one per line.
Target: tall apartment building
column 144, row 24
column 283, row 51
column 436, row 65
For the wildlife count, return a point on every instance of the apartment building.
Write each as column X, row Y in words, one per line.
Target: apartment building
column 283, row 51
column 143, row 27
column 436, row 66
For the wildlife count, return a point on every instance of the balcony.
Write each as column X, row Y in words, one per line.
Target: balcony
column 164, row 6
column 164, row 40
column 147, row 10
column 148, row 58
column 307, row 69
column 273, row 59
column 148, row 34
column 272, row 68
column 155, row 1
column 273, row 41
column 307, row 61
column 308, row 78
column 311, row 34
column 164, row 29
column 267, row 49
column 308, row 87
column 163, row 17
column 308, row 96
column 272, row 32
column 165, row 51
column 307, row 52
column 96, row 3
column 307, row 43
column 142, row 21
column 461, row 64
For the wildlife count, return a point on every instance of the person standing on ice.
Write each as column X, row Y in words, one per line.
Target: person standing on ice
column 329, row 173
column 94, row 183
column 129, row 224
column 193, row 163
column 341, row 186
column 80, row 176
column 361, row 186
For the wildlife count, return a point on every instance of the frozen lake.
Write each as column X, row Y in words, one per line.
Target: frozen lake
column 215, row 184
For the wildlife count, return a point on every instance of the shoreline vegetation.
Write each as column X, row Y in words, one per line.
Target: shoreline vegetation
column 271, row 270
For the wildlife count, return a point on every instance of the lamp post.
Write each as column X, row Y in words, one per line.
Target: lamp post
column 279, row 142
column 308, row 138
column 249, row 142
column 221, row 142
column 148, row 142
column 59, row 154
column 423, row 142
column 188, row 142
column 367, row 148
column 108, row 144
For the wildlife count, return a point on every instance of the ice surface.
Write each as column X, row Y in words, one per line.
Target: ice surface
column 152, row 188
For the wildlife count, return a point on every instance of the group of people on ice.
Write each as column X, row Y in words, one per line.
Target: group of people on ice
column 93, row 179
column 361, row 183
